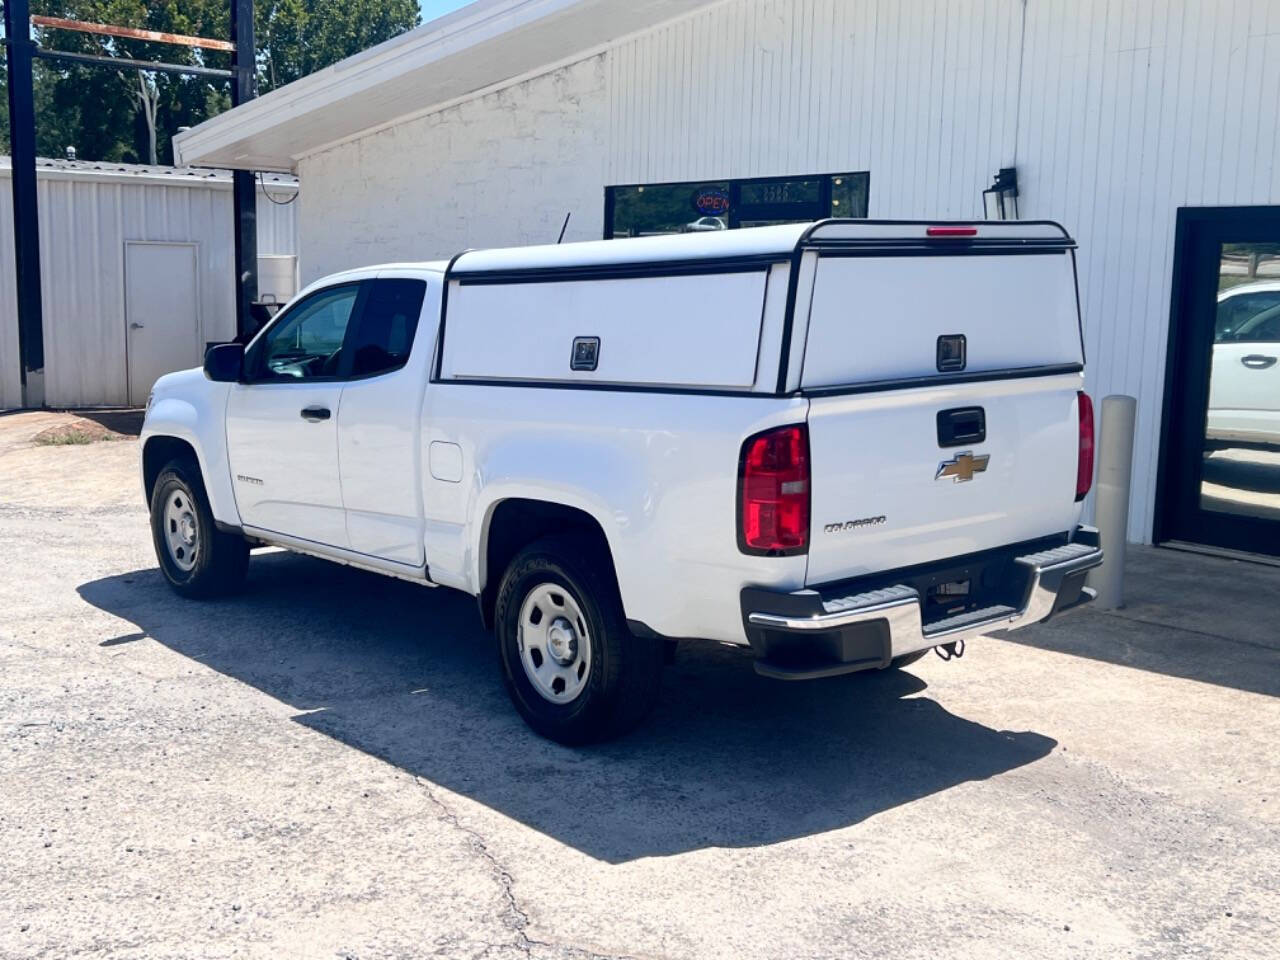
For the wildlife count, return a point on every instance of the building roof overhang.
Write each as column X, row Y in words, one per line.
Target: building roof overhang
column 479, row 46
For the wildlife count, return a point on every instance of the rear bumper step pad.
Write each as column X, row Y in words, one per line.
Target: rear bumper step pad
column 823, row 635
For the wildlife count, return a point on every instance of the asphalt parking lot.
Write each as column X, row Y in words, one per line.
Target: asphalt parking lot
column 327, row 766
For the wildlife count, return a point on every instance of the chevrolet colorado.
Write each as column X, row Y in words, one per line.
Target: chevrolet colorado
column 838, row 444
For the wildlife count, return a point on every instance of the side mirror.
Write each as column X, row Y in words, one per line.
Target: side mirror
column 224, row 362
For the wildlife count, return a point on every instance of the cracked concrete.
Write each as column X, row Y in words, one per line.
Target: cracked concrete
column 327, row 766
column 513, row 915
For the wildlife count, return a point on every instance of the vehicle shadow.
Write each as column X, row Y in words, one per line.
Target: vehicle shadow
column 1187, row 615
column 126, row 422
column 728, row 759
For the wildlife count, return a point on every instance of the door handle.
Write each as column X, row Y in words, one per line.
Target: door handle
column 1258, row 361
column 961, row 426
column 136, row 326
column 315, row 414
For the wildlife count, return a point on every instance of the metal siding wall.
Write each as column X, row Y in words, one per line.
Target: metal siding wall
column 84, row 223
column 1129, row 111
column 919, row 93
column 10, row 374
column 1116, row 113
column 277, row 221
column 81, row 265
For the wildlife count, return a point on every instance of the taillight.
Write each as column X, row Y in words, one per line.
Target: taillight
column 1084, row 465
column 773, row 492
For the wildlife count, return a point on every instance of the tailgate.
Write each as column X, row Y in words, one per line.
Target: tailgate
column 886, row 495
column 943, row 417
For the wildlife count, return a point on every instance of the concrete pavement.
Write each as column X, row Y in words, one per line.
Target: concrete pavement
column 327, row 766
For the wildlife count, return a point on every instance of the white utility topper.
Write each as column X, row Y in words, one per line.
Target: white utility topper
column 839, row 444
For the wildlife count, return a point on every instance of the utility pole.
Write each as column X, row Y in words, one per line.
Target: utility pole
column 26, row 222
column 243, row 89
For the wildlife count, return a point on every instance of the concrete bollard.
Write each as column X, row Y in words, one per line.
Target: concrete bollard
column 1111, row 496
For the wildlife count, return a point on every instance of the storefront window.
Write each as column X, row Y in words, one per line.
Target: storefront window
column 849, row 195
column 643, row 210
column 669, row 208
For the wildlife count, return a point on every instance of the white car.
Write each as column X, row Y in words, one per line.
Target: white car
column 705, row 224
column 838, row 445
column 1244, row 383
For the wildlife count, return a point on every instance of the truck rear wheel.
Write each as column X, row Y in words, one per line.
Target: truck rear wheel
column 196, row 558
column 574, row 671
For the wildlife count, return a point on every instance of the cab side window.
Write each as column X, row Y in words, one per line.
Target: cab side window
column 306, row 343
column 383, row 336
column 1263, row 327
column 1239, row 317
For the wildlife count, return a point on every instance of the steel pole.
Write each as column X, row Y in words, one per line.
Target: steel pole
column 26, row 219
column 244, row 196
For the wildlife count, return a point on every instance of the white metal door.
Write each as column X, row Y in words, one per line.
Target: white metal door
column 162, row 312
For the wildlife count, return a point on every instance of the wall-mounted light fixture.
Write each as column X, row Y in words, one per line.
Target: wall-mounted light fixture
column 1000, row 200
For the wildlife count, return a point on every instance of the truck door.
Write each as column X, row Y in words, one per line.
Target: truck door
column 1244, row 381
column 282, row 439
column 379, row 451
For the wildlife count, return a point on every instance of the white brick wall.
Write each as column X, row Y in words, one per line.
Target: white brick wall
column 498, row 170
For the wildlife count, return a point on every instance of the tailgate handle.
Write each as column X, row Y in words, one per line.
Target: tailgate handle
column 961, row 426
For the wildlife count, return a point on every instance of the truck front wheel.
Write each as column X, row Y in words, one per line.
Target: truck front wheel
column 196, row 558
column 572, row 668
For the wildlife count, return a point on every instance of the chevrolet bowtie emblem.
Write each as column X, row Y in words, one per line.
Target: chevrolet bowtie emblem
column 962, row 467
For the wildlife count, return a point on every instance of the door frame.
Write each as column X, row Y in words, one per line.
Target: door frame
column 1188, row 363
column 124, row 296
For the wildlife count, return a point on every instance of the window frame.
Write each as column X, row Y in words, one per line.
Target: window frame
column 825, row 183
column 258, row 342
column 346, row 358
column 347, row 363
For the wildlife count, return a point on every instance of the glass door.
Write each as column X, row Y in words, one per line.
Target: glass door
column 1220, row 456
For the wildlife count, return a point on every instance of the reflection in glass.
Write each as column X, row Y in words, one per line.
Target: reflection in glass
column 849, row 197
column 644, row 210
column 1241, row 472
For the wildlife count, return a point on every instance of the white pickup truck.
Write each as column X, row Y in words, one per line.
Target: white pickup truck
column 839, row 444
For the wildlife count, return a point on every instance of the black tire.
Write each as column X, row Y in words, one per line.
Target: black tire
column 221, row 559
column 621, row 685
column 906, row 659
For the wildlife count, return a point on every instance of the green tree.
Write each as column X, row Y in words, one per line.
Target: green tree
column 298, row 37
column 131, row 115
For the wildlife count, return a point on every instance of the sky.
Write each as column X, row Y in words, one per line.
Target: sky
column 438, row 8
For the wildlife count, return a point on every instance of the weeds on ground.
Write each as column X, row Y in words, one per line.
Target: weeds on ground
column 73, row 435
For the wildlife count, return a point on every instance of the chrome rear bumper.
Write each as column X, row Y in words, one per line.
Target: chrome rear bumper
column 865, row 630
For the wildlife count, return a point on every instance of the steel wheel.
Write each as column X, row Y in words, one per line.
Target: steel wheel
column 555, row 645
column 181, row 530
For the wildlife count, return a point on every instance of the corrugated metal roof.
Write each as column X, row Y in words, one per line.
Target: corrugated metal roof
column 174, row 176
